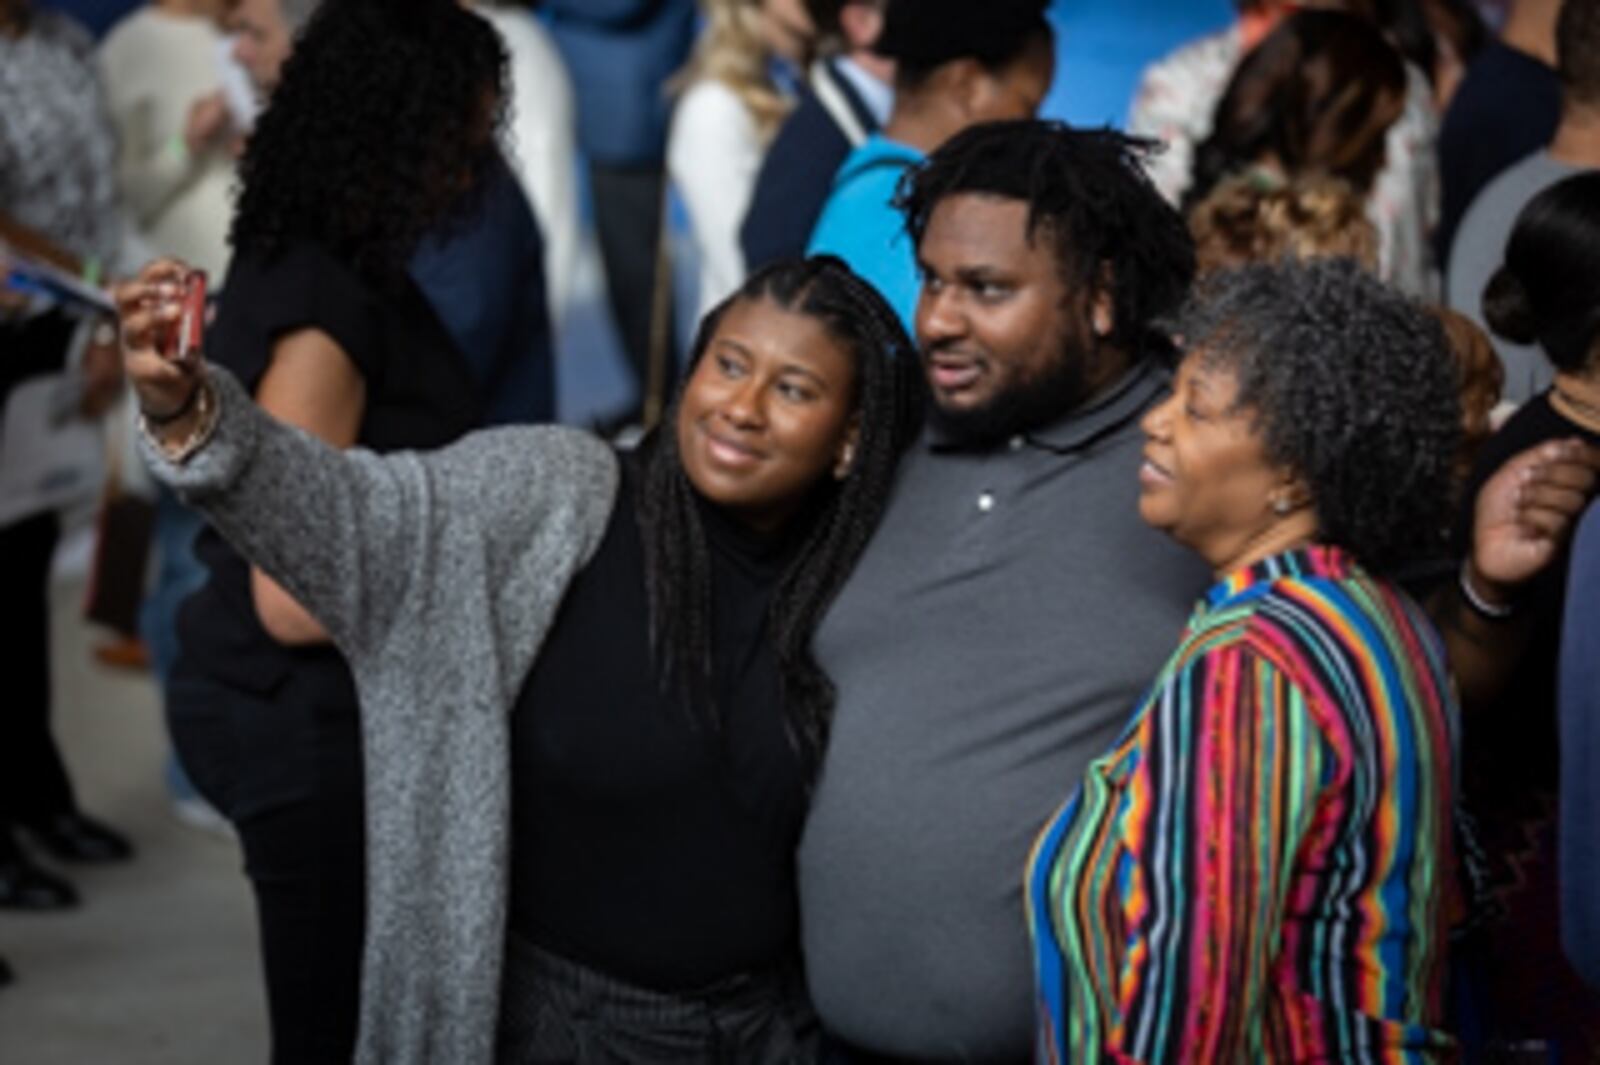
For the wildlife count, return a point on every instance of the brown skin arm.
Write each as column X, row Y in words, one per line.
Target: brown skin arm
column 1522, row 519
column 311, row 383
column 38, row 245
column 101, row 367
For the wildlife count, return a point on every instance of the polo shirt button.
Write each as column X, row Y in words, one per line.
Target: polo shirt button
column 986, row 502
column 1016, row 443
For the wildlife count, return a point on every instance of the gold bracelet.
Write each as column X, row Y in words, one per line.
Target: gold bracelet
column 209, row 409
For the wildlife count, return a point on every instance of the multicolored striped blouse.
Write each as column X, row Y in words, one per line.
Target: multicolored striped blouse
column 1257, row 871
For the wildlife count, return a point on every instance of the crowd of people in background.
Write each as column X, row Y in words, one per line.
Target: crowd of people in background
column 1079, row 594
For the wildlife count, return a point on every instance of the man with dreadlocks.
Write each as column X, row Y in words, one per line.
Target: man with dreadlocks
column 957, row 64
column 1012, row 606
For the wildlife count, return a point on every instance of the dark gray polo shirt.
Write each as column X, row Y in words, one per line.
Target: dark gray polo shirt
column 1007, row 616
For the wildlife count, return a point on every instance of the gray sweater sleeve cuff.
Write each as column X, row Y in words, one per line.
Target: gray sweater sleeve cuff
column 218, row 463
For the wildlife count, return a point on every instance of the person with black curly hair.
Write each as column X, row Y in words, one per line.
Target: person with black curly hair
column 1257, row 869
column 379, row 134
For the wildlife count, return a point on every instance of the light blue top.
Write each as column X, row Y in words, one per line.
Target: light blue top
column 860, row 225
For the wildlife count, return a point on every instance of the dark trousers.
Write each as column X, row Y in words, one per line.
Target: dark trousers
column 33, row 779
column 287, row 773
column 627, row 215
column 555, row 1010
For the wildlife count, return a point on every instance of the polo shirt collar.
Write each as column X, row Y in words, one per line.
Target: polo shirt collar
column 1126, row 399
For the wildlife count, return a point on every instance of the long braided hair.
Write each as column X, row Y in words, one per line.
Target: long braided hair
column 840, row 519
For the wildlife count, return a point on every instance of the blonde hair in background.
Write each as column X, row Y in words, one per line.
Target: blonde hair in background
column 1254, row 217
column 731, row 50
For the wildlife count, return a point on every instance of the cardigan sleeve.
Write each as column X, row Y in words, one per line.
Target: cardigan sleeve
column 353, row 536
column 1199, row 825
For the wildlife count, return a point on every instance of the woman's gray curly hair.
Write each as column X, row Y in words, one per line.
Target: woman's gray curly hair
column 1352, row 386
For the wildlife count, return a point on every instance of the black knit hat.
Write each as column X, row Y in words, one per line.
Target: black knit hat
column 924, row 34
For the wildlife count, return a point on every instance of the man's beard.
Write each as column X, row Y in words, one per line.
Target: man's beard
column 1021, row 406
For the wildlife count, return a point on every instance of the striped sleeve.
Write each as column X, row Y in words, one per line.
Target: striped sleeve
column 1188, row 848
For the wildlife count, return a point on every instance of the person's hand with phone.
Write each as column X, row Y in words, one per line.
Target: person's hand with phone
column 162, row 317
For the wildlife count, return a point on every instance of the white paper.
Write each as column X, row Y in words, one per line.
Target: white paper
column 49, row 456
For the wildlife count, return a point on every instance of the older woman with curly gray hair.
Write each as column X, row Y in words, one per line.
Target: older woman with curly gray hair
column 1256, row 870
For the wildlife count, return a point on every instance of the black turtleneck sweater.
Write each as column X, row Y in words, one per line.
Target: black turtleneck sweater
column 646, row 843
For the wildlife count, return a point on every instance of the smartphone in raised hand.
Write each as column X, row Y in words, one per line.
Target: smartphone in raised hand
column 191, row 319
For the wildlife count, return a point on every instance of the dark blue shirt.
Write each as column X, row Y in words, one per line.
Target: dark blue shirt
column 484, row 277
column 797, row 173
column 97, row 15
column 1580, row 755
column 1506, row 108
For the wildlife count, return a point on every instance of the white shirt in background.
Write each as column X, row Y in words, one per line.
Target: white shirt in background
column 714, row 151
column 154, row 65
column 541, row 143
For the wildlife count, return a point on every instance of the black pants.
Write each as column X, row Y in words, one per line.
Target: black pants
column 33, row 779
column 627, row 215
column 554, row 1010
column 287, row 773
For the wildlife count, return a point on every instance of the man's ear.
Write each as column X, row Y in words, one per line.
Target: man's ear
column 964, row 82
column 1103, row 305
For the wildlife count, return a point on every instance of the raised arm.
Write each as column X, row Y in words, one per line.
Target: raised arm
column 350, row 535
column 1522, row 519
column 312, row 385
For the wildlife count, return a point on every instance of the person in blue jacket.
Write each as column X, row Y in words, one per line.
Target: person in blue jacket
column 958, row 64
column 845, row 99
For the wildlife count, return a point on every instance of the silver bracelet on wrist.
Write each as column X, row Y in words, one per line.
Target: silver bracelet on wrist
column 1481, row 606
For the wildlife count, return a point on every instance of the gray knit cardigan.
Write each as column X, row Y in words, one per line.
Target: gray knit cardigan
column 437, row 575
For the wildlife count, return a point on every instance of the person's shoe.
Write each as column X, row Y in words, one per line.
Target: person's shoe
column 6, row 975
column 25, row 886
column 200, row 815
column 72, row 837
column 125, row 652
